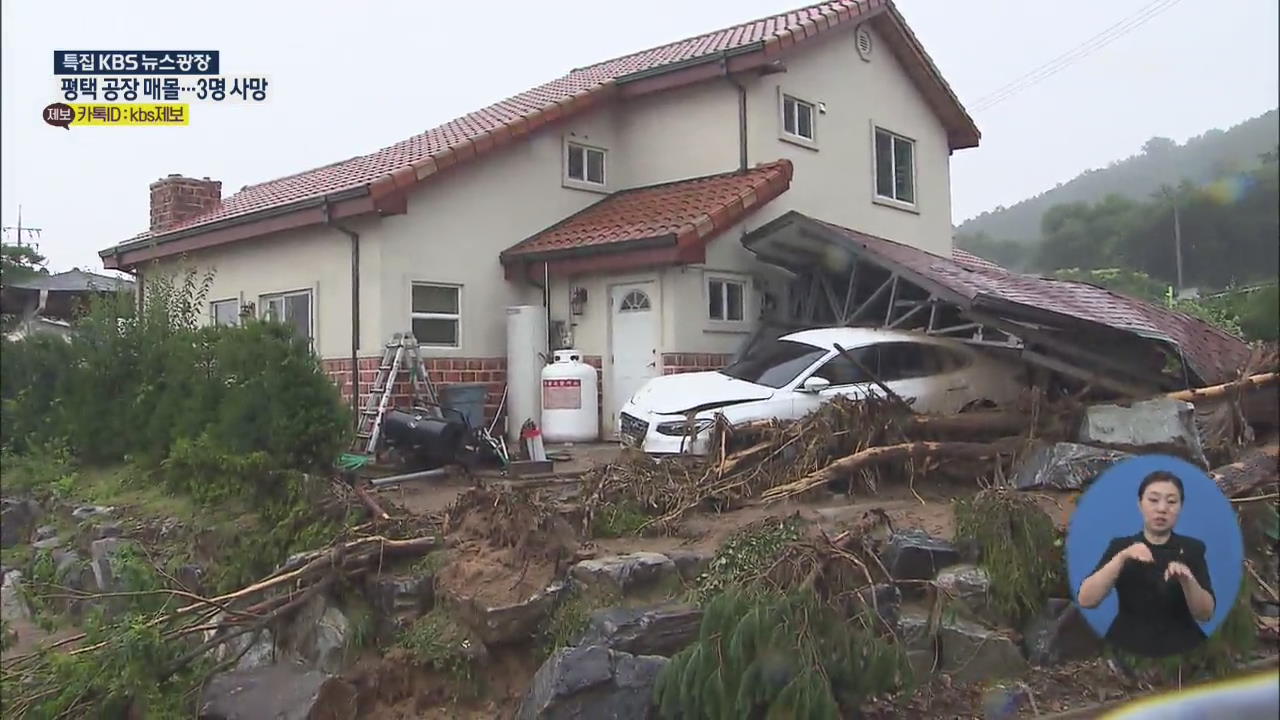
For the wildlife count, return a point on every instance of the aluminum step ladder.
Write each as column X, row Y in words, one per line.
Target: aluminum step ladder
column 399, row 355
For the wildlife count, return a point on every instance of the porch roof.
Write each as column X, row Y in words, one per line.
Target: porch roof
column 659, row 224
column 985, row 290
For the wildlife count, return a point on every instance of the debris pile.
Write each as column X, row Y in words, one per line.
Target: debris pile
column 869, row 439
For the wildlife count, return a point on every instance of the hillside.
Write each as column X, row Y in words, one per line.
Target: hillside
column 1201, row 159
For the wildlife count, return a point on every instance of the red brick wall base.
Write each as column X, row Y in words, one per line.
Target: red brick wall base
column 442, row 371
column 676, row 363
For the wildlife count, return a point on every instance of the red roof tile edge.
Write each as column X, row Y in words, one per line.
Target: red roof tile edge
column 384, row 188
column 769, row 180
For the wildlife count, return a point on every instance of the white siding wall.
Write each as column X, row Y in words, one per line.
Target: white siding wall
column 456, row 225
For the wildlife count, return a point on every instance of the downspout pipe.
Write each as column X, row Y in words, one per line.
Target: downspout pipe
column 355, row 310
column 742, row 112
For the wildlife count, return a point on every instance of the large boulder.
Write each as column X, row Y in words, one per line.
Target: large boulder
column 915, row 555
column 317, row 635
column 503, row 624
column 587, row 682
column 691, row 563
column 659, row 630
column 1059, row 633
column 1064, row 466
column 919, row 640
column 1158, row 425
column 278, row 692
column 17, row 520
column 398, row 600
column 967, row 589
column 13, row 606
column 973, row 653
column 626, row 574
column 104, row 560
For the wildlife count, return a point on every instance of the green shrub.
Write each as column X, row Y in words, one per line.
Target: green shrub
column 770, row 655
column 438, row 641
column 137, row 385
column 1012, row 535
column 745, row 555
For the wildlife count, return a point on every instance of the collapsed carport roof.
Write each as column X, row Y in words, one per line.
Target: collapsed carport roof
column 1028, row 307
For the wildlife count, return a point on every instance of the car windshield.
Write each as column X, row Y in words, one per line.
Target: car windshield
column 775, row 364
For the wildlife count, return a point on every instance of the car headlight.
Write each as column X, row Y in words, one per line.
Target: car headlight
column 684, row 427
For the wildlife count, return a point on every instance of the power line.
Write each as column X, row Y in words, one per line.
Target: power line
column 1088, row 47
column 32, row 232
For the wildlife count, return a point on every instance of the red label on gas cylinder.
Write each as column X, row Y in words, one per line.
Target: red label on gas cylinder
column 565, row 394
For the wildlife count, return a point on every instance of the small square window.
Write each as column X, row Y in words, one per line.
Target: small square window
column 725, row 300
column 586, row 164
column 225, row 312
column 797, row 118
column 895, row 167
column 435, row 314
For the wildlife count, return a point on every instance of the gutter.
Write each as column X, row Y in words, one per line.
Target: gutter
column 742, row 114
column 306, row 204
column 355, row 310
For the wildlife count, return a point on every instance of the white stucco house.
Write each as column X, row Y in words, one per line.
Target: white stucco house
column 622, row 189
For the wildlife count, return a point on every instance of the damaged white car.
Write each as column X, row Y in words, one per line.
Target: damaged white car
column 790, row 377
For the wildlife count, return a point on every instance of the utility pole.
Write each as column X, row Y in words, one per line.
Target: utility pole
column 1177, row 242
column 33, row 232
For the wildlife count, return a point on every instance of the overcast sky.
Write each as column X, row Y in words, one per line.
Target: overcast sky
column 349, row 78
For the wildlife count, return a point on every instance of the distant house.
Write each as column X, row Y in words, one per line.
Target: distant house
column 47, row 303
column 618, row 194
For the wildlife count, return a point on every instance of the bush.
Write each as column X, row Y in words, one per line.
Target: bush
column 155, row 386
column 1018, row 547
column 774, row 655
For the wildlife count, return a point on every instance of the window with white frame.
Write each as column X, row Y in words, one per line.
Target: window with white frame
column 290, row 308
column 797, row 118
column 436, row 314
column 225, row 312
column 585, row 164
column 726, row 300
column 895, row 167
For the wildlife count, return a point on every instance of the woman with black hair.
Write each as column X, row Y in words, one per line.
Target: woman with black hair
column 1160, row 578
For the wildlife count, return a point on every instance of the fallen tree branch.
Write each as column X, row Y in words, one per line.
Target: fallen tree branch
column 886, row 453
column 371, row 504
column 1215, row 392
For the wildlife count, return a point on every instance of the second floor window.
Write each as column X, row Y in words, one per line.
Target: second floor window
column 895, row 167
column 586, row 164
column 797, row 118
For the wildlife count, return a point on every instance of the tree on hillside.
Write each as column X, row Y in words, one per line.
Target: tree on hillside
column 18, row 262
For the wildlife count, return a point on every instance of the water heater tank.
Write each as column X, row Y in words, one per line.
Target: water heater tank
column 570, row 412
column 526, row 348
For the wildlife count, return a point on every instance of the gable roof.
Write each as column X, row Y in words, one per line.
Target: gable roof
column 379, row 180
column 679, row 218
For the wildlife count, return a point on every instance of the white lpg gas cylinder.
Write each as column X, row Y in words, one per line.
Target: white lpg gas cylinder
column 570, row 412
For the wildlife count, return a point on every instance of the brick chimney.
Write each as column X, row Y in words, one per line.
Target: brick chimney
column 177, row 198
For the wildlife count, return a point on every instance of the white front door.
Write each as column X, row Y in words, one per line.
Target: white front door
column 633, row 344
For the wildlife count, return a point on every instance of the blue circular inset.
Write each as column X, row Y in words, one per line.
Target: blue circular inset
column 1109, row 509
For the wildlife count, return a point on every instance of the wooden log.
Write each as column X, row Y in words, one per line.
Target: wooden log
column 888, row 453
column 981, row 422
column 1217, row 392
column 374, row 508
column 1255, row 469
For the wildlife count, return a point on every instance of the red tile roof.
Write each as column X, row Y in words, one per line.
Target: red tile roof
column 965, row 257
column 415, row 159
column 685, row 213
